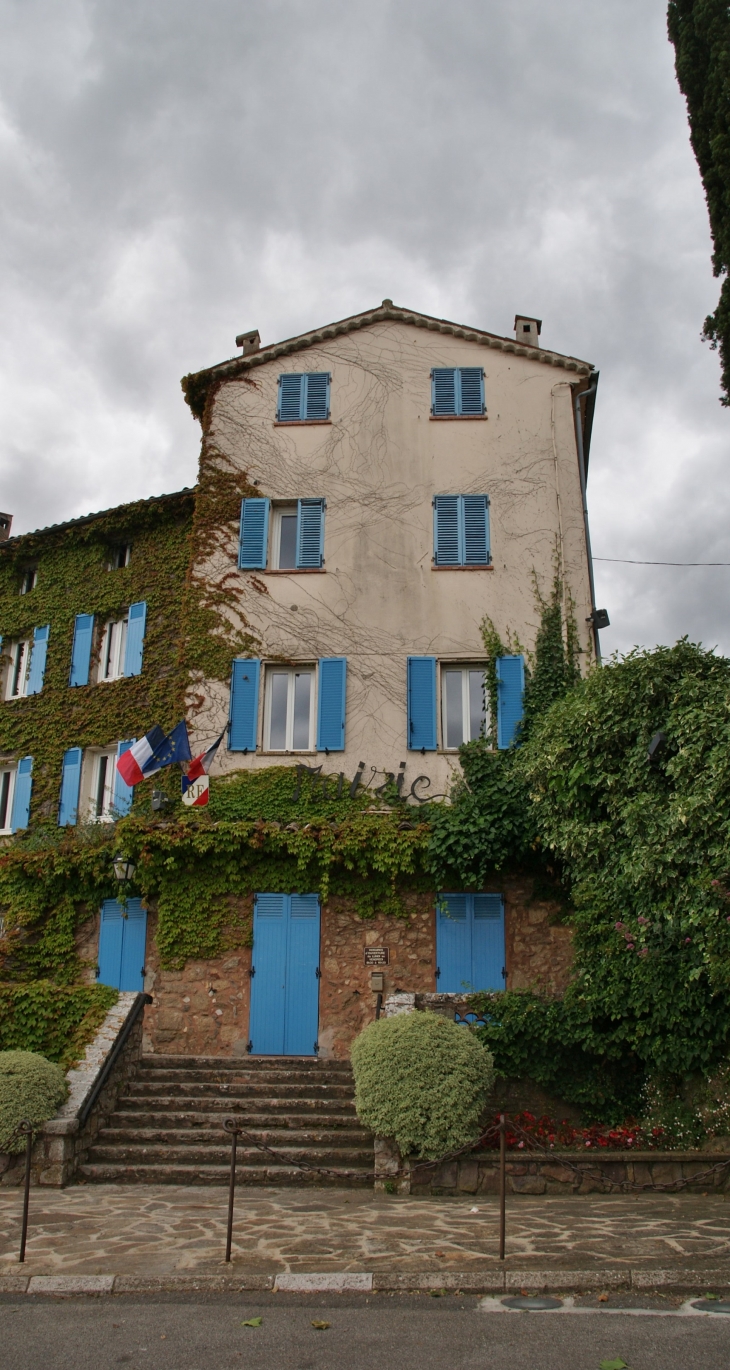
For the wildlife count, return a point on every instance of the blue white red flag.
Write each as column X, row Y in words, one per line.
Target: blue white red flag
column 201, row 764
column 131, row 764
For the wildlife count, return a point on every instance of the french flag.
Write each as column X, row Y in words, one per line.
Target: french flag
column 131, row 764
column 201, row 764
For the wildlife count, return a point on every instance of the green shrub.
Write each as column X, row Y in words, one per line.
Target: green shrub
column 423, row 1081
column 30, row 1087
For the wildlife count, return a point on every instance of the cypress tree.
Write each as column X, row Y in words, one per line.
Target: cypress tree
column 700, row 32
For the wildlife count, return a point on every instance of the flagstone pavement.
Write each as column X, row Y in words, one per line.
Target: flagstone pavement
column 161, row 1230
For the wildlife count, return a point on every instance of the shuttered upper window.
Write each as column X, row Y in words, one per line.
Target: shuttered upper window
column 457, row 391
column 461, row 530
column 304, row 396
column 297, row 543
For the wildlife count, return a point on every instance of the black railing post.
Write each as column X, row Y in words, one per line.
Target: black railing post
column 502, row 1182
column 230, row 1126
column 26, row 1128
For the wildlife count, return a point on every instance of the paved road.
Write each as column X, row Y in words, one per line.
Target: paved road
column 383, row 1332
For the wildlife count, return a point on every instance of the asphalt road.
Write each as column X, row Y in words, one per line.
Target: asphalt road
column 404, row 1332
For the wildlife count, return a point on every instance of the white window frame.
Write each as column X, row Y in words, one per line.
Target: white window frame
column 271, row 670
column 19, row 665
column 278, row 512
column 11, row 772
column 117, row 628
column 29, row 580
column 465, row 668
column 90, row 784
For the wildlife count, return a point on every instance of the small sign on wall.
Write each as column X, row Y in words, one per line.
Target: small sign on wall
column 377, row 956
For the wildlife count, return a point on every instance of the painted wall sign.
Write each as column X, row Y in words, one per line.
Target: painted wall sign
column 195, row 793
column 377, row 956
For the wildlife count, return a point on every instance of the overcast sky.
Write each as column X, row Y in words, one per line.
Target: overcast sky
column 175, row 172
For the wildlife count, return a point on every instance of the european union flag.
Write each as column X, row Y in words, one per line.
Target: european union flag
column 174, row 747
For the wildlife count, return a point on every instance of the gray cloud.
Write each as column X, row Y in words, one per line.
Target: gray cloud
column 175, row 173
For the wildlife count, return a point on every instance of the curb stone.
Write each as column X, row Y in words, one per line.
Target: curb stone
column 687, row 1280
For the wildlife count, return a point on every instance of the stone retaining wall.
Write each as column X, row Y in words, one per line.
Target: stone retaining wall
column 566, row 1172
column 65, row 1139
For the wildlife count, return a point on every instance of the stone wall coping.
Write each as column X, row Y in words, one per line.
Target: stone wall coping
column 595, row 1154
column 83, row 1077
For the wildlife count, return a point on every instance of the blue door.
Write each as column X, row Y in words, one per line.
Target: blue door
column 285, row 975
column 122, row 942
column 470, row 942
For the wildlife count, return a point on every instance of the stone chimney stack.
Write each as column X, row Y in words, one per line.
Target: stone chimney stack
column 5, row 525
column 528, row 330
column 250, row 342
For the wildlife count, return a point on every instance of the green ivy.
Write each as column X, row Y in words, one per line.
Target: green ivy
column 53, row 1020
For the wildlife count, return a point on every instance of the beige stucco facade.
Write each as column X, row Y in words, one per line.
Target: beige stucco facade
column 378, row 462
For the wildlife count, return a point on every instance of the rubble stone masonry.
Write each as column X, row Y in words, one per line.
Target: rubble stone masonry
column 203, row 1009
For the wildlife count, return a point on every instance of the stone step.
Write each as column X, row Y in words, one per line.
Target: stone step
column 129, row 1119
column 313, row 1064
column 276, row 1137
column 233, row 1079
column 133, row 1104
column 128, row 1153
column 273, row 1175
column 141, row 1088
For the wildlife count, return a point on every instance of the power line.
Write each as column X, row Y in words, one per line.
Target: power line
column 626, row 562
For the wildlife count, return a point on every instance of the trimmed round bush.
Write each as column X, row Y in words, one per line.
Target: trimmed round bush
column 30, row 1087
column 422, row 1080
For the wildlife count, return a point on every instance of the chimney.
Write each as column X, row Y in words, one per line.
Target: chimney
column 528, row 330
column 5, row 522
column 250, row 342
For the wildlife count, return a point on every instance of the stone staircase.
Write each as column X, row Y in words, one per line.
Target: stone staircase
column 168, row 1127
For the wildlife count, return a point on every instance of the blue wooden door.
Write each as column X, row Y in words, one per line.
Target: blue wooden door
column 470, row 942
column 122, row 943
column 285, row 980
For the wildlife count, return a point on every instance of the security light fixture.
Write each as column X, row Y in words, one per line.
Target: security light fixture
column 160, row 801
column 599, row 618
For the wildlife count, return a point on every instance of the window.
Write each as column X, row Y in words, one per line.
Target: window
column 461, row 530
column 304, row 397
column 101, row 801
column 289, row 709
column 16, row 680
column 463, row 705
column 7, row 786
column 457, row 391
column 28, row 580
column 284, row 540
column 120, row 556
column 113, row 649
column 289, row 706
column 297, row 535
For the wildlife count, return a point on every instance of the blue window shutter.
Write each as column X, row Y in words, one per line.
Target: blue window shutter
column 254, row 538
column 291, row 398
column 68, row 808
column 111, row 934
column 510, row 689
column 331, row 704
column 488, row 951
column 421, row 703
column 443, row 390
column 38, row 660
column 476, row 530
column 81, row 650
column 134, row 946
column 317, row 395
column 123, row 793
column 453, row 943
column 244, row 706
column 470, row 390
column 21, row 796
column 446, row 531
column 135, row 638
column 310, row 532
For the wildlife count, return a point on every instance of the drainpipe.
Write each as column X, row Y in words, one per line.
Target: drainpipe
column 583, row 395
